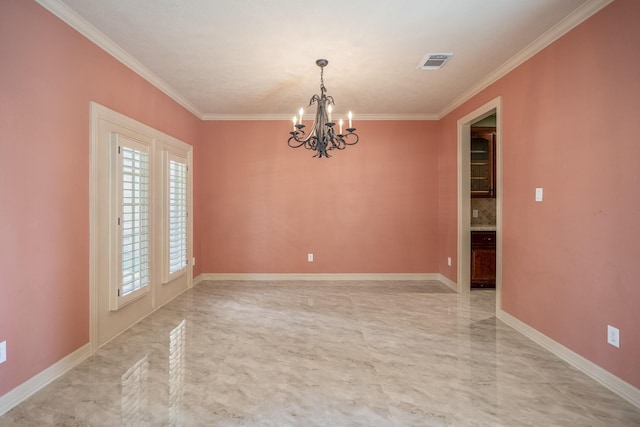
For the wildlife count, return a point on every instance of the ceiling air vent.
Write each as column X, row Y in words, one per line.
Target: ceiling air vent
column 434, row 61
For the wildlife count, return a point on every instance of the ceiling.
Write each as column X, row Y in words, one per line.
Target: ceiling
column 256, row 58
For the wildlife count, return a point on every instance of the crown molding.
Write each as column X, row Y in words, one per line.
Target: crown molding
column 397, row 117
column 287, row 117
column 578, row 16
column 247, row 117
column 74, row 20
column 78, row 23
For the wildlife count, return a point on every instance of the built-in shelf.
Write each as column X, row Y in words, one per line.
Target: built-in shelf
column 482, row 162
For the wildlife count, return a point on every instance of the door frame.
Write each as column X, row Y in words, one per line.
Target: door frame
column 104, row 122
column 464, row 195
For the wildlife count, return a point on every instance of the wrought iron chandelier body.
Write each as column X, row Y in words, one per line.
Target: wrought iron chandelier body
column 322, row 137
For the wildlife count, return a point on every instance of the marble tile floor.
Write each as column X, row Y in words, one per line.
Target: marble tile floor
column 324, row 354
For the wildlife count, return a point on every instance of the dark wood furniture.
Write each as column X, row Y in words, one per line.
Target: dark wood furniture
column 483, row 162
column 483, row 259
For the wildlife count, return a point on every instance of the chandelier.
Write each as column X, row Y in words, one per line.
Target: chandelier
column 322, row 136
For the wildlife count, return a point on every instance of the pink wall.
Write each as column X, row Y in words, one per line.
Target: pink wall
column 448, row 198
column 49, row 74
column 570, row 126
column 371, row 208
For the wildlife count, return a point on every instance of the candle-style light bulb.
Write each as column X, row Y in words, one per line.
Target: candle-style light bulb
column 350, row 117
column 301, row 111
column 329, row 110
column 340, row 127
column 295, row 119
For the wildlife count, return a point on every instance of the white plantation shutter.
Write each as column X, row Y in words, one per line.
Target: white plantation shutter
column 134, row 230
column 177, row 218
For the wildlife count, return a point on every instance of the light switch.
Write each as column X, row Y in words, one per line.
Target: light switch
column 538, row 194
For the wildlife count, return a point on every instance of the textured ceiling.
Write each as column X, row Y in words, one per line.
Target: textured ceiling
column 256, row 58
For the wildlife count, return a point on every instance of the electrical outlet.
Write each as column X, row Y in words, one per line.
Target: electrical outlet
column 449, row 261
column 539, row 194
column 613, row 336
column 3, row 351
column 475, row 213
column 310, row 257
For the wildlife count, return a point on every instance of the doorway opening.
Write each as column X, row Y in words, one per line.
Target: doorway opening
column 464, row 195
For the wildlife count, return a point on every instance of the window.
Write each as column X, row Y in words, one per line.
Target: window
column 132, row 200
column 177, row 215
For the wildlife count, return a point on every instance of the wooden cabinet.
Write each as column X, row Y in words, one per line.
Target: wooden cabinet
column 483, row 161
column 483, row 259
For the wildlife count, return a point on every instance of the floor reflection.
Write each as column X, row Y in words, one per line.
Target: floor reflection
column 134, row 399
column 177, row 341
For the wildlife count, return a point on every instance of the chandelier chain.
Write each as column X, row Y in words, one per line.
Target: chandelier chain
column 323, row 89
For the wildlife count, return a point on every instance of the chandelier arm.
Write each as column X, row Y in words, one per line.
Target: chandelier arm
column 351, row 134
column 299, row 135
column 314, row 98
column 312, row 143
column 336, row 141
column 339, row 144
column 293, row 138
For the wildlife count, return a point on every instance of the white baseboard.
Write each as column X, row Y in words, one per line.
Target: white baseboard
column 450, row 283
column 196, row 280
column 319, row 276
column 29, row 387
column 607, row 379
column 325, row 277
